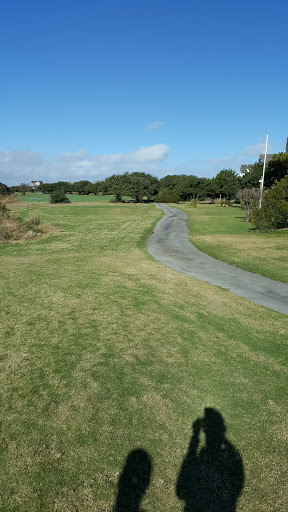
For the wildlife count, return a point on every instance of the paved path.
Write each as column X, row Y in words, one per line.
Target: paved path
column 169, row 243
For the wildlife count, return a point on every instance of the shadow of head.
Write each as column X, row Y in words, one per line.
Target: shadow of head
column 214, row 428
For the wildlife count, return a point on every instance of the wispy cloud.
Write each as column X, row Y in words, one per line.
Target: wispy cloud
column 24, row 166
column 257, row 149
column 155, row 125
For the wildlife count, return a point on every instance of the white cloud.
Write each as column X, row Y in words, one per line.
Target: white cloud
column 24, row 166
column 72, row 157
column 257, row 149
column 155, row 125
column 20, row 166
column 148, row 154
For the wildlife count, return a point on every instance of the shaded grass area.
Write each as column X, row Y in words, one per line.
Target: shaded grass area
column 223, row 234
column 105, row 350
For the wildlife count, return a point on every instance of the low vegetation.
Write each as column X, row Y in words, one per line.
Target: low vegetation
column 59, row 197
column 167, row 196
column 274, row 212
column 108, row 357
column 14, row 228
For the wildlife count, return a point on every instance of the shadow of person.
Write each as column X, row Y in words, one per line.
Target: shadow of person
column 211, row 478
column 133, row 482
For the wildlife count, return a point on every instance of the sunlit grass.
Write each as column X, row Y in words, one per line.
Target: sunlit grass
column 38, row 197
column 104, row 350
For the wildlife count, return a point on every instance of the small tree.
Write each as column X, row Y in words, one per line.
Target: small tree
column 226, row 183
column 274, row 211
column 249, row 198
column 59, row 197
column 23, row 188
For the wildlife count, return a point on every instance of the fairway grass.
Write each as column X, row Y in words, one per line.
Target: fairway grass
column 38, row 197
column 224, row 234
column 104, row 350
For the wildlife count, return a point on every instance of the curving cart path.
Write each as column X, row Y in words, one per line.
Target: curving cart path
column 169, row 243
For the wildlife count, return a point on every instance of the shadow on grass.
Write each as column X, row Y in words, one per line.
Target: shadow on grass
column 133, row 482
column 210, row 479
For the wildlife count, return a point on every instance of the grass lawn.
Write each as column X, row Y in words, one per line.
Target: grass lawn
column 38, row 197
column 224, row 234
column 104, row 350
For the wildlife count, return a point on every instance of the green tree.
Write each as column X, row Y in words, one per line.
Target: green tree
column 58, row 196
column 47, row 188
column 251, row 177
column 166, row 195
column 66, row 186
column 170, row 181
column 188, row 187
column 80, row 187
column 274, row 211
column 226, row 183
column 4, row 190
column 141, row 184
column 277, row 169
column 117, row 185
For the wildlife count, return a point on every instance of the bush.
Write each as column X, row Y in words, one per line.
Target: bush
column 13, row 228
column 59, row 197
column 192, row 203
column 33, row 221
column 249, row 198
column 4, row 190
column 274, row 211
column 167, row 196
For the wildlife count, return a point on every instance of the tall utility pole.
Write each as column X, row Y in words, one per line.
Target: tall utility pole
column 264, row 165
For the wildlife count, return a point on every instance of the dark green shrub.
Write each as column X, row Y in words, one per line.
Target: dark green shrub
column 167, row 196
column 274, row 211
column 4, row 190
column 58, row 196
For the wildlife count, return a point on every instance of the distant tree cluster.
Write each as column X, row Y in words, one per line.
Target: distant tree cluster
column 141, row 186
column 83, row 187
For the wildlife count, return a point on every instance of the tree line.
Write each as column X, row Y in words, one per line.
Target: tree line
column 226, row 185
column 173, row 188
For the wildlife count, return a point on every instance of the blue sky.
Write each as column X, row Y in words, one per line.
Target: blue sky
column 91, row 88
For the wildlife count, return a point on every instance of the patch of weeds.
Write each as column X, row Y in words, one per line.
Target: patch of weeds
column 14, row 228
